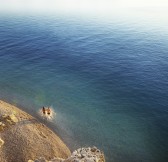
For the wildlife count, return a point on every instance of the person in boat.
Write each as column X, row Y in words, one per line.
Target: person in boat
column 48, row 111
column 44, row 110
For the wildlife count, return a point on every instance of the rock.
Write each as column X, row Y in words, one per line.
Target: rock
column 9, row 122
column 83, row 152
column 4, row 116
column 8, row 119
column 13, row 118
column 74, row 153
column 1, row 128
column 86, row 155
column 57, row 160
column 80, row 155
column 1, row 142
column 2, row 125
column 41, row 160
column 93, row 149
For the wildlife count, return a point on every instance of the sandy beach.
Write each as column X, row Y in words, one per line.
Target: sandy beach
column 24, row 137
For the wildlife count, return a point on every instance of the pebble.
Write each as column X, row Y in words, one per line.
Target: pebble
column 1, row 142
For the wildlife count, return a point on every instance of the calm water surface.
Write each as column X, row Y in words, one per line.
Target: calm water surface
column 108, row 82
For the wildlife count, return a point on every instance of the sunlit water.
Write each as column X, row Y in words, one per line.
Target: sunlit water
column 106, row 82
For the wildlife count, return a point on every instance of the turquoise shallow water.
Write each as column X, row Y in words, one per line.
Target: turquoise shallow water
column 106, row 81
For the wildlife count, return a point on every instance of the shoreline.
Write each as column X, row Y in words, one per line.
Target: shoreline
column 48, row 123
column 38, row 139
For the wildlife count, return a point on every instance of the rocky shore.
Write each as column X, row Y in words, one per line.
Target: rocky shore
column 24, row 139
column 80, row 155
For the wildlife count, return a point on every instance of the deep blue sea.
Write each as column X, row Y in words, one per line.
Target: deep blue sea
column 107, row 81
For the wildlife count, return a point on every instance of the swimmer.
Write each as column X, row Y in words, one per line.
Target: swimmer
column 44, row 110
column 48, row 111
